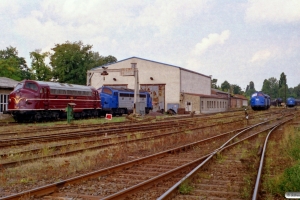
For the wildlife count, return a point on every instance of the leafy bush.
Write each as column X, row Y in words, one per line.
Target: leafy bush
column 290, row 180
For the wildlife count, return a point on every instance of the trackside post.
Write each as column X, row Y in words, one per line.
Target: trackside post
column 69, row 110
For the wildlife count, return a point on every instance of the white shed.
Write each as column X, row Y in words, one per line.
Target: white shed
column 166, row 83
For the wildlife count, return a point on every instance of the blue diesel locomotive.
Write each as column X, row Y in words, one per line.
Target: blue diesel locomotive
column 119, row 101
column 260, row 101
column 291, row 102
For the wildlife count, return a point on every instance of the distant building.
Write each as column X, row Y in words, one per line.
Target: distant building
column 239, row 101
column 6, row 86
column 171, row 87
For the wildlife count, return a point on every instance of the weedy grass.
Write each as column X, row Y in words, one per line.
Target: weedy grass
column 287, row 180
column 185, row 187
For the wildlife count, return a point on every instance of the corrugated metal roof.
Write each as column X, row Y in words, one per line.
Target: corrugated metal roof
column 7, row 82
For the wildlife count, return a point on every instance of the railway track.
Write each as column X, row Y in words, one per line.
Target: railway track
column 21, row 129
column 140, row 173
column 99, row 131
column 102, row 140
column 40, row 132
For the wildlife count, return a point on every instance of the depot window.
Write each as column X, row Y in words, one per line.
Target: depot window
column 3, row 102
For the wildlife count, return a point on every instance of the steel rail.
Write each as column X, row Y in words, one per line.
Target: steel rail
column 125, row 192
column 168, row 194
column 110, row 125
column 50, row 188
column 262, row 158
column 97, row 131
column 53, row 187
column 13, row 163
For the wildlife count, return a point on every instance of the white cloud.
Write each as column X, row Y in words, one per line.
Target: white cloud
column 8, row 6
column 262, row 55
column 164, row 15
column 211, row 40
column 275, row 11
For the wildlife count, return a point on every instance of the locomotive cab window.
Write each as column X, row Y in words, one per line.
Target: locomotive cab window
column 254, row 95
column 18, row 86
column 31, row 86
column 106, row 91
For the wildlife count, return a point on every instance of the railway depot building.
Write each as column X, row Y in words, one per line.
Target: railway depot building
column 171, row 87
column 6, row 86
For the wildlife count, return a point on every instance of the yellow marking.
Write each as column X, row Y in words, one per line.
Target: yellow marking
column 17, row 99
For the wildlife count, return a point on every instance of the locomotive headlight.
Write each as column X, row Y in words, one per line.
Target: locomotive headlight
column 27, row 101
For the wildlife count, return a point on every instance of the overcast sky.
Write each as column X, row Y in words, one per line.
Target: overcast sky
column 234, row 40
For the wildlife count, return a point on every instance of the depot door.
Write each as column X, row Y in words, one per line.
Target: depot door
column 157, row 93
column 188, row 106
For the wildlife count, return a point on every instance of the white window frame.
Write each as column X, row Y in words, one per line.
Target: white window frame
column 3, row 105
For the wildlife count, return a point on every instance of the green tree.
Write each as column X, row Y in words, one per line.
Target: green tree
column 214, row 83
column 42, row 71
column 266, row 88
column 251, row 85
column 13, row 66
column 250, row 89
column 270, row 87
column 225, row 86
column 71, row 61
column 282, row 80
column 273, row 87
column 283, row 87
column 9, row 68
column 296, row 91
column 236, row 89
column 101, row 60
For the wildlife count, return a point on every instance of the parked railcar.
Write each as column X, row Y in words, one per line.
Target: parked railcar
column 277, row 102
column 119, row 101
column 260, row 101
column 39, row 100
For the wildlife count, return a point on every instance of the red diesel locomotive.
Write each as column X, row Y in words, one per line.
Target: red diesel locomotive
column 39, row 100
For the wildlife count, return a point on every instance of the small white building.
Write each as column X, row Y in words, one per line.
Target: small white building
column 6, row 87
column 171, row 87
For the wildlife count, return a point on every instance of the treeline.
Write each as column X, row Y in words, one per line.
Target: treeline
column 68, row 63
column 273, row 87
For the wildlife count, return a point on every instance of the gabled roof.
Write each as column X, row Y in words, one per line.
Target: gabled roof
column 107, row 65
column 219, row 91
column 7, row 82
column 240, row 96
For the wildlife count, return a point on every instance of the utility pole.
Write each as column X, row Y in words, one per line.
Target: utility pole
column 136, row 88
column 133, row 71
column 285, row 88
